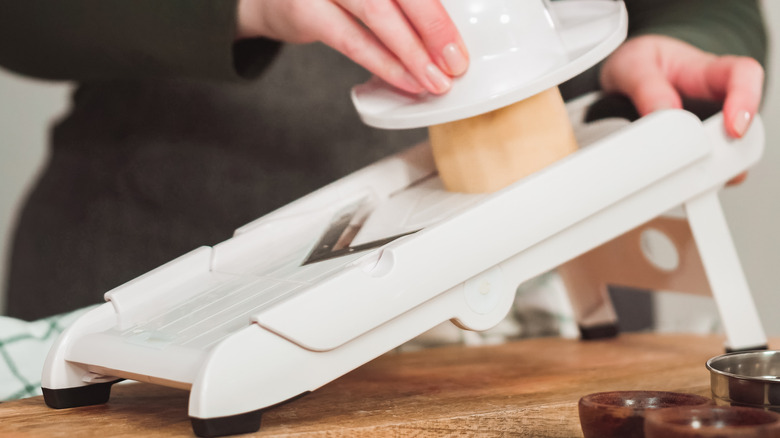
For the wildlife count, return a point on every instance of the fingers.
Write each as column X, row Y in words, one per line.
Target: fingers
column 387, row 22
column 419, row 34
column 654, row 71
column 411, row 44
column 736, row 80
column 633, row 70
column 439, row 34
column 741, row 80
column 737, row 180
column 339, row 29
column 653, row 93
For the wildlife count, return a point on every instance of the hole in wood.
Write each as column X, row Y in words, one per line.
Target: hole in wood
column 659, row 250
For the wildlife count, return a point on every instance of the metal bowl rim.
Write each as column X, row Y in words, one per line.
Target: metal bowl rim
column 714, row 370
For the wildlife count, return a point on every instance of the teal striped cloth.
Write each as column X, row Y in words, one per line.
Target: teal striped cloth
column 23, row 349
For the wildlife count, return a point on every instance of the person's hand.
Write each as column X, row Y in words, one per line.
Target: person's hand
column 654, row 71
column 411, row 44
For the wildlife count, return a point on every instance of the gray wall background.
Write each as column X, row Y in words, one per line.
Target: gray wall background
column 27, row 107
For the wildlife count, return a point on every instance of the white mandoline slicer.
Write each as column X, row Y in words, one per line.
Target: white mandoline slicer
column 323, row 285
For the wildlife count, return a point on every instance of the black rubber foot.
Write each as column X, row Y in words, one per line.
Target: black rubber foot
column 760, row 347
column 599, row 332
column 95, row 394
column 232, row 425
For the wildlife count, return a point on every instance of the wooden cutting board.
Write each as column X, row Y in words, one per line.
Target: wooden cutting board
column 524, row 388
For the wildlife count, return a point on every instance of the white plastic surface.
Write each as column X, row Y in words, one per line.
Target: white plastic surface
column 517, row 49
column 245, row 325
column 727, row 281
column 59, row 371
column 478, row 235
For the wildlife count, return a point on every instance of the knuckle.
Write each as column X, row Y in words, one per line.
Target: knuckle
column 373, row 11
column 641, row 44
column 300, row 12
column 350, row 44
column 743, row 62
column 297, row 8
column 300, row 25
column 753, row 64
column 436, row 26
column 745, row 68
column 430, row 19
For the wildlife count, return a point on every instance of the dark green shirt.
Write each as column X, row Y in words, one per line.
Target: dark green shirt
column 176, row 135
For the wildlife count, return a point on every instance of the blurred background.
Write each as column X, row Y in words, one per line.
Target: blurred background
column 28, row 107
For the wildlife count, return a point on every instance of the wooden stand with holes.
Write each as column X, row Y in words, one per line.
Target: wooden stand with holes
column 707, row 264
column 624, row 262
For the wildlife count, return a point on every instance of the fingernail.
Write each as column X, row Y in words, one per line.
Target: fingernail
column 742, row 122
column 739, row 179
column 455, row 59
column 440, row 83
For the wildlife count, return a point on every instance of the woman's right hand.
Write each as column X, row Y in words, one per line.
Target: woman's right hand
column 410, row 44
column 655, row 71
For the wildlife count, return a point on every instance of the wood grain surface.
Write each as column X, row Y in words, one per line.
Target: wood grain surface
column 525, row 388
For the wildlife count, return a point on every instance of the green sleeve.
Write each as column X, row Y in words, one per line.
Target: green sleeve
column 733, row 27
column 109, row 39
column 723, row 27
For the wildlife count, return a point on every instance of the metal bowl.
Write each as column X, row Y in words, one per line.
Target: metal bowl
column 749, row 378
